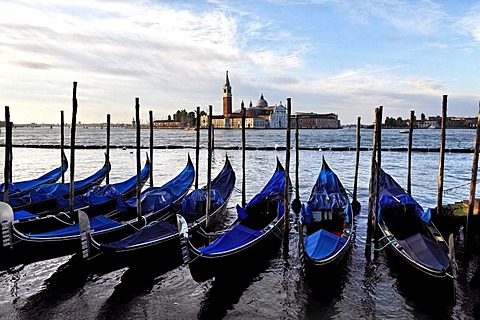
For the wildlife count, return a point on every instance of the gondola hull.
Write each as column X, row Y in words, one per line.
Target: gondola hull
column 43, row 200
column 204, row 267
column 415, row 248
column 22, row 188
column 317, row 270
column 252, row 239
column 30, row 247
column 161, row 238
column 328, row 227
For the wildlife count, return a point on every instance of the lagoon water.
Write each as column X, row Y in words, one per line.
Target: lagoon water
column 61, row 289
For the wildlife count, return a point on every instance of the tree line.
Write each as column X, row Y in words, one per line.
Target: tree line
column 186, row 117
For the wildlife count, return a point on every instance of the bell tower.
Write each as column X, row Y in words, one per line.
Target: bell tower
column 227, row 97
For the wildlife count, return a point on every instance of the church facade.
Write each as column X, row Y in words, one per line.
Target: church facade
column 262, row 116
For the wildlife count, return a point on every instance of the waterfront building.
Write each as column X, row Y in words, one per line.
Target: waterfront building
column 262, row 116
column 313, row 120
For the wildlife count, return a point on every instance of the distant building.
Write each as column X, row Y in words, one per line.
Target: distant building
column 227, row 97
column 262, row 116
column 451, row 122
column 313, row 120
column 168, row 124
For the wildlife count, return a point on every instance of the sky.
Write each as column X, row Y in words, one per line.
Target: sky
column 328, row 56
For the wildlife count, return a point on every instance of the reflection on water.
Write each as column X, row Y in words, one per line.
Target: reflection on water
column 62, row 288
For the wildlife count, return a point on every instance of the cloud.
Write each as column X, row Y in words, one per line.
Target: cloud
column 174, row 55
column 469, row 23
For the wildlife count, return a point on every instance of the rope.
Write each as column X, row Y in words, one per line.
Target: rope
column 390, row 242
column 460, row 186
column 350, row 193
column 66, row 222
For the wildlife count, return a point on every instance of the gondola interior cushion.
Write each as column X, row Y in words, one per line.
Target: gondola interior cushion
column 22, row 214
column 426, row 251
column 387, row 201
column 151, row 232
column 322, row 201
column 98, row 223
column 323, row 244
column 194, row 203
column 234, row 238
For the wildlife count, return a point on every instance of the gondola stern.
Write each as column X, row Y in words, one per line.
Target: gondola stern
column 183, row 234
column 64, row 162
column 279, row 165
column 107, row 164
column 189, row 160
column 6, row 219
column 85, row 235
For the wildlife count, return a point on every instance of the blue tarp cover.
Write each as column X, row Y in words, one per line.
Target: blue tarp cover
column 97, row 223
column 156, row 198
column 58, row 189
column 22, row 214
column 391, row 194
column 157, row 230
column 326, row 194
column 224, row 181
column 21, row 186
column 102, row 194
column 240, row 235
column 275, row 188
column 194, row 203
column 161, row 229
column 425, row 251
column 322, row 244
column 234, row 238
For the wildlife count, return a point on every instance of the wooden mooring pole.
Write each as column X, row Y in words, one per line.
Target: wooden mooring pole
column 371, row 194
column 9, row 128
column 376, row 232
column 442, row 157
column 409, row 156
column 197, row 147
column 286, row 204
column 72, row 149
column 209, row 168
column 356, row 207
column 296, row 203
column 62, row 142
column 212, row 128
column 8, row 164
column 107, row 178
column 150, row 113
column 244, row 201
column 139, row 186
column 473, row 183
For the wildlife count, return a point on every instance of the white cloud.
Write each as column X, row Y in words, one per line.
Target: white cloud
column 470, row 23
column 174, row 55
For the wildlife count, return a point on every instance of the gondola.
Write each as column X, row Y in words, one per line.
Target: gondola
column 29, row 246
column 253, row 237
column 161, row 238
column 327, row 226
column 413, row 242
column 53, row 198
column 99, row 200
column 21, row 188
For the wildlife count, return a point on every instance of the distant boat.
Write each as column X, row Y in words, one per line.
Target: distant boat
column 433, row 126
column 403, row 131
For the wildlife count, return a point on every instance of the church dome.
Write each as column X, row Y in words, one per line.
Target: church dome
column 262, row 103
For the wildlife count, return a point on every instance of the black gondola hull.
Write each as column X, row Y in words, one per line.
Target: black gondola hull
column 264, row 248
